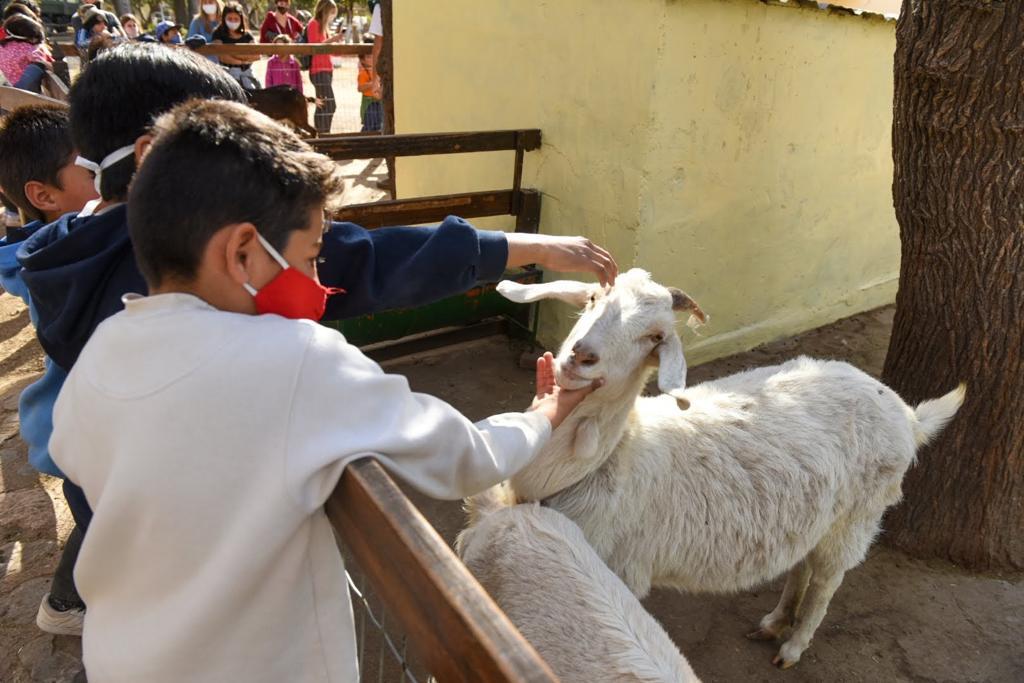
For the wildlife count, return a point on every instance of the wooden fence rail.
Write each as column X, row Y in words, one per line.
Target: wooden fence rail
column 253, row 49
column 342, row 147
column 524, row 204
column 454, row 627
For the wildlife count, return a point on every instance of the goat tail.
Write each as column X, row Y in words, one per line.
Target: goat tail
column 311, row 100
column 486, row 502
column 931, row 416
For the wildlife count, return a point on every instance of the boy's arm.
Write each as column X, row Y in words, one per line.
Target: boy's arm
column 345, row 408
column 403, row 267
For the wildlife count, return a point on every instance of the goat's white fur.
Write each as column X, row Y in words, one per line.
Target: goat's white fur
column 579, row 616
column 783, row 468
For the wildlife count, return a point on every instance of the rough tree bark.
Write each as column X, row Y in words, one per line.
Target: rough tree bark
column 958, row 148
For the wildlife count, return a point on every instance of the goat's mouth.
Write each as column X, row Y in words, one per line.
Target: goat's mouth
column 568, row 378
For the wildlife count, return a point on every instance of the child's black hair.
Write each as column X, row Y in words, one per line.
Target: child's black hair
column 23, row 27
column 35, row 144
column 20, row 8
column 121, row 93
column 275, row 179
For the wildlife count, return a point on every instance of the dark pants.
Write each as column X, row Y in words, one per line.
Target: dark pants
column 63, row 593
column 373, row 118
column 323, row 115
column 31, row 78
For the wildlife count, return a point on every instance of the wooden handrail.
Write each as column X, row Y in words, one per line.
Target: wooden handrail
column 11, row 98
column 428, row 209
column 250, row 49
column 452, row 625
column 423, row 144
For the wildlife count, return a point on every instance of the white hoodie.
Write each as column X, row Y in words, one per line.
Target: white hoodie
column 206, row 443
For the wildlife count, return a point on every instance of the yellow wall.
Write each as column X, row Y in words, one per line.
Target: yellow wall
column 738, row 150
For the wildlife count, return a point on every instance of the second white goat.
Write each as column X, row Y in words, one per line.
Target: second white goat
column 727, row 484
column 583, row 621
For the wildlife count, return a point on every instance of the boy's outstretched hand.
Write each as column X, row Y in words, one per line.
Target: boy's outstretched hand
column 551, row 400
column 563, row 254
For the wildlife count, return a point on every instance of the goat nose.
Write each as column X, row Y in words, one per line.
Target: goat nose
column 583, row 355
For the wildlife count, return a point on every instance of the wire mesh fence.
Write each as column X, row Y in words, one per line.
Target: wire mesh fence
column 382, row 647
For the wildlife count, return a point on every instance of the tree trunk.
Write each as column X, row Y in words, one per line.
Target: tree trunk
column 122, row 7
column 181, row 14
column 958, row 187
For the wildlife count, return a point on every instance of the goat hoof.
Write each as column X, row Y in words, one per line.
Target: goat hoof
column 781, row 663
column 761, row 634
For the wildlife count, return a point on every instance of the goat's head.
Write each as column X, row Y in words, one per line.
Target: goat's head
column 621, row 329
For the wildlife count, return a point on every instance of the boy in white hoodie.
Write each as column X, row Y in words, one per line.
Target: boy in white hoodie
column 208, row 422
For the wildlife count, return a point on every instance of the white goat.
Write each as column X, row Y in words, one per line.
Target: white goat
column 727, row 484
column 579, row 616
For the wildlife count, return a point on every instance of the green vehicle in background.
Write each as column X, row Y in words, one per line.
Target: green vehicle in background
column 56, row 13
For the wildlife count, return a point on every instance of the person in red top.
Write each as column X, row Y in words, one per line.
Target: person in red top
column 280, row 23
column 321, row 70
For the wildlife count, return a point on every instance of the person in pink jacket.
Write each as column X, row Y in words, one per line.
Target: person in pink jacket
column 284, row 69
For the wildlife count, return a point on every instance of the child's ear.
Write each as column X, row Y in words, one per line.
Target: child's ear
column 142, row 144
column 238, row 251
column 40, row 195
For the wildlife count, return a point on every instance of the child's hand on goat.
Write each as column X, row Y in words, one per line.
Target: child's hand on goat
column 562, row 254
column 551, row 400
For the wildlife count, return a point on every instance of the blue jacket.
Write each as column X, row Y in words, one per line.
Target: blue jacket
column 35, row 407
column 77, row 270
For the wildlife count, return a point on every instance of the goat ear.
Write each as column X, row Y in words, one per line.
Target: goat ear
column 570, row 291
column 681, row 301
column 587, row 441
column 672, row 369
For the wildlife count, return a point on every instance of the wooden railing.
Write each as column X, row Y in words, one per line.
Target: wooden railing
column 452, row 625
column 524, row 204
column 11, row 98
column 261, row 49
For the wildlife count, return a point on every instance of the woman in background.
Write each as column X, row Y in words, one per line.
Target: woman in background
column 234, row 30
column 321, row 69
column 204, row 23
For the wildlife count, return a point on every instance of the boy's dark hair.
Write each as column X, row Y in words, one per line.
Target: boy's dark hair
column 121, row 93
column 20, row 8
column 35, row 144
column 275, row 179
column 21, row 26
column 99, row 44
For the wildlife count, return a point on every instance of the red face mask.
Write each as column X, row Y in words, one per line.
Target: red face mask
column 290, row 293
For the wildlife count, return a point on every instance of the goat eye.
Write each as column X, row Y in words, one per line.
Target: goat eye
column 657, row 338
column 593, row 298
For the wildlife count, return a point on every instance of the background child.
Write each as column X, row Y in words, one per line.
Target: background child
column 237, row 426
column 39, row 169
column 24, row 56
column 284, row 69
column 371, row 108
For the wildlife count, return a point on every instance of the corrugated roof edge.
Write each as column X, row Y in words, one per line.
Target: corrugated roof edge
column 828, row 7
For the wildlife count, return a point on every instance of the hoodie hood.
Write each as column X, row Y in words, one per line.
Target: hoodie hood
column 77, row 270
column 10, row 269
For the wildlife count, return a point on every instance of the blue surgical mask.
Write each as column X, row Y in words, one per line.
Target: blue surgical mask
column 176, row 40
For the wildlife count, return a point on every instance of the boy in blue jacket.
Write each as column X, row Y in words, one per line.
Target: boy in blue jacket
column 39, row 176
column 79, row 267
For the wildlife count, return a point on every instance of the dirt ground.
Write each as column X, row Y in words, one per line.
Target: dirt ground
column 893, row 619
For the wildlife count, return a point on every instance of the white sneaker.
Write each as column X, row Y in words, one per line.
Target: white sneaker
column 66, row 623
